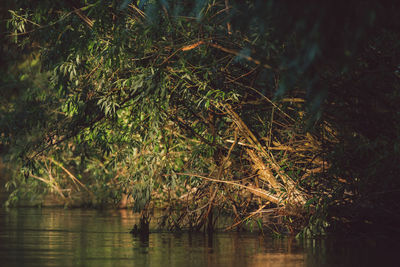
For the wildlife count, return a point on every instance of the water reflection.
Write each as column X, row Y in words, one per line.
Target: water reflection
column 57, row 237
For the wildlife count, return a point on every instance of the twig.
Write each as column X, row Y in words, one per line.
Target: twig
column 219, row 47
column 245, row 219
column 73, row 178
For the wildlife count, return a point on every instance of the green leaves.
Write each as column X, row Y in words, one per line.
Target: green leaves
column 130, row 95
column 108, row 105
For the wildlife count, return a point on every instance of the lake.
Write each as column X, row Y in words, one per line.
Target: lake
column 82, row 237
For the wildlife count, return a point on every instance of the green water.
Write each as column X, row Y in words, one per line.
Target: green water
column 58, row 237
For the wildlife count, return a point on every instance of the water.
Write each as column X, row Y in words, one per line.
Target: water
column 58, row 237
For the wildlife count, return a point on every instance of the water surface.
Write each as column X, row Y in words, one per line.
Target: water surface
column 78, row 237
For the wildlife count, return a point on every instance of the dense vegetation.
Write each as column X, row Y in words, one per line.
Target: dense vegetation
column 273, row 112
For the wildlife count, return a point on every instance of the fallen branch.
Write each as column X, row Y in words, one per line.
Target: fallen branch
column 252, row 189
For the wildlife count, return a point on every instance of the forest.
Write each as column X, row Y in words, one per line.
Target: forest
column 284, row 115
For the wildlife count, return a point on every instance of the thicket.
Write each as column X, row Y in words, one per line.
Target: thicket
column 279, row 113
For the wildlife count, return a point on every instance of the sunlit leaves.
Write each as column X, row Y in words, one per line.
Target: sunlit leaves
column 67, row 69
column 70, row 107
column 108, row 105
column 137, row 89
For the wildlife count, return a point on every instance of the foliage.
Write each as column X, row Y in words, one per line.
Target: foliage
column 205, row 107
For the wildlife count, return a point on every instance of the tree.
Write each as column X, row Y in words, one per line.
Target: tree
column 210, row 105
